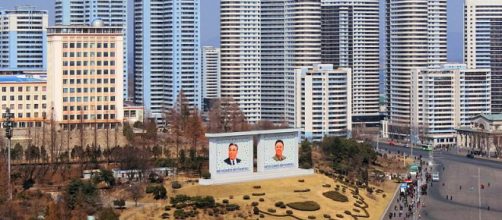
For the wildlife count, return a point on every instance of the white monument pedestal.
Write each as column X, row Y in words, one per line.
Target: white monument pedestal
column 218, row 180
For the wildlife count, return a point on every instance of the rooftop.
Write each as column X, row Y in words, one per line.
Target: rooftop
column 22, row 79
column 492, row 117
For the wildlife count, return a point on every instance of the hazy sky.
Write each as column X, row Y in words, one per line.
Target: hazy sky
column 210, row 22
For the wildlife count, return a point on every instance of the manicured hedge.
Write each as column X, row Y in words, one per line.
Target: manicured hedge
column 302, row 190
column 246, row 197
column 258, row 194
column 334, row 195
column 304, row 206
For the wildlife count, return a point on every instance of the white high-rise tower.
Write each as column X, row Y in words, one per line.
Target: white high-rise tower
column 483, row 42
column 416, row 38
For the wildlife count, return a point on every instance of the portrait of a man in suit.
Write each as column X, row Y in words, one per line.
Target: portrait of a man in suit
column 279, row 149
column 232, row 155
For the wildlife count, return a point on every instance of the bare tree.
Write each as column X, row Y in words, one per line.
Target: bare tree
column 195, row 130
column 136, row 193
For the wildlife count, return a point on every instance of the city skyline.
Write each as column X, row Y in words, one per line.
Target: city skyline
column 210, row 31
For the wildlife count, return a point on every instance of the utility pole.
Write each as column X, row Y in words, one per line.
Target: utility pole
column 8, row 124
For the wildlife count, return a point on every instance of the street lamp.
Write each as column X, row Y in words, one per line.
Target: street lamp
column 8, row 124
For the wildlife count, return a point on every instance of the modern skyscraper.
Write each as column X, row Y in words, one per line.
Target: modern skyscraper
column 211, row 72
column 166, row 54
column 23, row 37
column 263, row 41
column 83, row 12
column 483, row 42
column 444, row 99
column 85, row 74
column 350, row 39
column 416, row 38
column 322, row 103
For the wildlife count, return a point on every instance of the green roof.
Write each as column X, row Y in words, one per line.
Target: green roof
column 492, row 117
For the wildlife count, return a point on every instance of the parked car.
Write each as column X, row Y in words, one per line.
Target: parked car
column 435, row 177
column 470, row 156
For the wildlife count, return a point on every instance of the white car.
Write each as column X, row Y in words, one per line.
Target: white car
column 435, row 177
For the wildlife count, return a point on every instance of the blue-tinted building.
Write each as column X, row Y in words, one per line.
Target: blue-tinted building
column 23, row 37
column 166, row 54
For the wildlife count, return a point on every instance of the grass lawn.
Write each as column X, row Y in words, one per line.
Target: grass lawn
column 275, row 190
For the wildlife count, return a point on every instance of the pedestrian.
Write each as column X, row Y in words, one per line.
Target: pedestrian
column 460, row 187
column 446, row 197
column 451, row 197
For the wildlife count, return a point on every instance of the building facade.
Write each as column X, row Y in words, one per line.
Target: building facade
column 322, row 104
column 26, row 97
column 261, row 44
column 483, row 42
column 416, row 37
column 483, row 136
column 350, row 39
column 85, row 75
column 23, row 37
column 166, row 54
column 83, row 12
column 444, row 99
column 211, row 84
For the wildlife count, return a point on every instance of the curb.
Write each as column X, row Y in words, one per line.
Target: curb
column 382, row 217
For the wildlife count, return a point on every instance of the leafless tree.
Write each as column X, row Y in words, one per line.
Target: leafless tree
column 136, row 193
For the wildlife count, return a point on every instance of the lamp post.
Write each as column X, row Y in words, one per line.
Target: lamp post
column 8, row 124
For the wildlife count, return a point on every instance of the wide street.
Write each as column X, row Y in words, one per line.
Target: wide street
column 462, row 178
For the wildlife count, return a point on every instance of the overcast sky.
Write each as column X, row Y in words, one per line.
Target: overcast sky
column 210, row 22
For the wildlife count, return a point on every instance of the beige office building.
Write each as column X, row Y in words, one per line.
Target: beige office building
column 85, row 66
column 25, row 96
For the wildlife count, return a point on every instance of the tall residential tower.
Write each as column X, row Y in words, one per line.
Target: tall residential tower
column 83, row 12
column 166, row 54
column 416, row 38
column 350, row 39
column 211, row 73
column 483, row 42
column 262, row 42
column 23, row 39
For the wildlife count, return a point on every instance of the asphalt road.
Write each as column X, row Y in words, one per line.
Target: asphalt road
column 469, row 203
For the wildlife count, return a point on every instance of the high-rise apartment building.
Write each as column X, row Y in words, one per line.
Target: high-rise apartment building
column 85, row 74
column 211, row 72
column 416, row 38
column 350, row 39
column 23, row 36
column 444, row 99
column 263, row 41
column 483, row 42
column 322, row 103
column 167, row 54
column 83, row 12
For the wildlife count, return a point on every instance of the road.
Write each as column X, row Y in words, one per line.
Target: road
column 470, row 202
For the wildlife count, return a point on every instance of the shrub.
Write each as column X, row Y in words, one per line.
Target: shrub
column 206, row 174
column 181, row 205
column 301, row 180
column 347, row 212
column 179, row 214
column 271, row 210
column 203, row 202
column 283, row 206
column 254, row 204
column 245, row 197
column 175, row 185
column 232, row 207
column 179, row 199
column 225, row 201
column 279, row 204
column 231, row 197
column 327, row 216
column 339, row 215
column 383, row 196
column 304, row 206
column 262, row 216
column 356, row 210
column 301, row 190
column 289, row 212
column 311, row 217
column 334, row 195
column 258, row 194
column 326, row 185
column 369, row 190
column 167, row 208
column 379, row 191
column 256, row 211
column 256, row 187
column 158, row 191
column 261, row 199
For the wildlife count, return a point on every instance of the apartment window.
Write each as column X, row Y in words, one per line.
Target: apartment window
column 19, row 106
